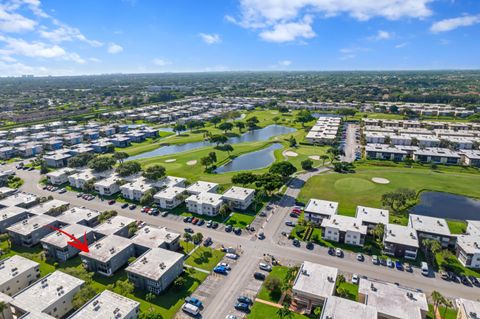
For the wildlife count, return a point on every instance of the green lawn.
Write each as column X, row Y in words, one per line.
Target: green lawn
column 351, row 290
column 205, row 258
column 457, row 226
column 240, row 220
column 448, row 261
column 148, row 145
column 167, row 304
column 279, row 272
column 450, row 314
column 262, row 311
column 355, row 189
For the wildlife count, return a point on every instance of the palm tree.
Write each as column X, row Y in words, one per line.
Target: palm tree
column 284, row 312
column 324, row 157
column 448, row 304
column 149, row 298
column 437, row 299
column 378, row 231
column 3, row 306
column 431, row 247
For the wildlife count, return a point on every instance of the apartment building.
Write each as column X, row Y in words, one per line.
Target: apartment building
column 341, row 308
column 316, row 210
column 117, row 225
column 204, row 204
column 432, row 228
column 170, row 197
column 77, row 215
column 60, row 176
column 79, row 179
column 344, row 229
column 149, row 237
column 468, row 250
column 108, row 304
column 202, row 187
column 107, row 186
column 17, row 273
column 467, row 309
column 239, row 197
column 371, row 217
column 30, row 231
column 56, row 245
column 10, row 216
column 400, row 241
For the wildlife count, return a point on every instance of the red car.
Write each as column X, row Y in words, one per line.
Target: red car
column 296, row 211
column 111, row 202
column 194, row 221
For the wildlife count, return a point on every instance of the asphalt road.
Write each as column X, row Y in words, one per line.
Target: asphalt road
column 254, row 249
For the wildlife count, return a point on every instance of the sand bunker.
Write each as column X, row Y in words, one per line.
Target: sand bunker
column 314, row 157
column 170, row 160
column 290, row 154
column 191, row 163
column 380, row 180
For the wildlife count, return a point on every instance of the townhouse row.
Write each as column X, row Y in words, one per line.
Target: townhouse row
column 325, row 130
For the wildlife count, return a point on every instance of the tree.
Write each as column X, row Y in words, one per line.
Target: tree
column 347, row 112
column 269, row 182
column 273, row 284
column 252, row 122
column 147, row 198
column 80, row 160
column 197, row 237
column 447, row 304
column 292, row 141
column 304, row 116
column 178, row 128
column 128, row 168
column 437, row 299
column 275, row 119
column 179, row 283
column 324, row 157
column 124, row 287
column 307, row 164
column 82, row 296
column 101, row 163
column 206, row 161
column 244, row 178
column 149, row 297
column 120, row 156
column 151, row 315
column 219, row 139
column 226, row 126
column 224, row 210
column 285, row 312
column 334, row 154
column 240, row 126
column 213, row 156
column 398, row 200
column 431, row 248
column 226, row 148
column 154, row 172
column 378, row 231
column 343, row 167
column 215, row 120
column 283, row 169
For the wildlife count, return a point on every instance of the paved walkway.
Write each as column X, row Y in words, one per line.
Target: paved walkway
column 273, row 304
column 196, row 268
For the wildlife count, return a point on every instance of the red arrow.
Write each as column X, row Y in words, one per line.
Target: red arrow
column 83, row 246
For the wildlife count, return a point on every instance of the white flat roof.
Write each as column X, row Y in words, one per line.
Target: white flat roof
column 153, row 237
column 429, row 224
column 17, row 199
column 345, row 223
column 469, row 243
column 47, row 206
column 170, row 181
column 238, row 193
column 59, row 240
column 76, row 214
column 27, row 226
column 402, row 235
column 372, row 215
column 107, row 182
column 201, row 187
column 315, row 279
column 169, row 193
column 341, row 308
column 107, row 247
column 392, row 300
column 12, row 211
column 46, row 291
column 206, row 198
column 106, row 305
column 470, row 308
column 60, row 172
column 154, row 263
column 322, row 207
column 11, row 267
column 114, row 224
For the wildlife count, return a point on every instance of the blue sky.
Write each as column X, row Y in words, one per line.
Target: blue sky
column 51, row 37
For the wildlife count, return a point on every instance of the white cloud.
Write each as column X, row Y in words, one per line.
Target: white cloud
column 210, row 38
column 275, row 17
column 14, row 46
column 67, row 33
column 286, row 32
column 381, row 35
column 14, row 22
column 17, row 68
column 454, row 23
column 161, row 62
column 114, row 48
column 401, row 45
column 285, row 63
column 350, row 53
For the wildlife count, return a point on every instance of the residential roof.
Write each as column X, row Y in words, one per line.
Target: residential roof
column 154, row 263
column 238, row 193
column 12, row 211
column 107, row 304
column 473, row 226
column 393, row 300
column 12, row 266
column 76, row 215
column 29, row 225
column 403, row 235
column 341, row 308
column 107, row 247
column 59, row 240
column 372, row 215
column 427, row 224
column 154, row 237
column 60, row 172
column 470, row 308
column 345, row 223
column 46, row 291
column 169, row 193
column 206, row 198
column 170, row 181
column 315, row 279
column 107, row 182
column 322, row 207
column 114, row 224
column 469, row 243
column 46, row 207
column 201, row 187
column 17, row 199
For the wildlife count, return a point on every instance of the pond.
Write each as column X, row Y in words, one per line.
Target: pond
column 251, row 161
column 445, row 205
column 262, row 134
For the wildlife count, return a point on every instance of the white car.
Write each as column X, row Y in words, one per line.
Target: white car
column 264, row 266
column 355, row 279
column 338, row 252
column 231, row 256
column 231, row 317
column 375, row 259
column 227, row 266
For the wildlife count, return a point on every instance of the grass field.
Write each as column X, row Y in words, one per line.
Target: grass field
column 205, row 258
column 279, row 272
column 351, row 290
column 240, row 220
column 355, row 189
column 450, row 314
column 262, row 311
column 148, row 145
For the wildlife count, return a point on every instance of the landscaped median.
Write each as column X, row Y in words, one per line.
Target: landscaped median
column 202, row 257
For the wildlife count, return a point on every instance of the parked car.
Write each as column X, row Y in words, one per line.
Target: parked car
column 237, row 231
column 407, row 267
column 207, row 242
column 209, row 224
column 164, row 214
column 200, row 221
column 289, row 223
column 293, row 215
column 189, row 230
column 263, row 214
column 62, row 190
column 231, row 317
column 185, row 219
column 245, row 300
column 309, row 245
column 194, row 301
column 214, row 225
column 338, row 252
column 355, row 279
column 331, row 251
column 261, row 236
column 259, row 276
column 190, row 309
column 125, row 205
column 465, row 280
column 296, row 242
column 264, row 266
column 375, row 260
column 390, row 263
column 242, row 307
column 194, row 220
column 228, row 228
column 474, row 281
column 189, row 219
column 111, row 202
column 227, row 266
column 220, row 270
column 445, row 276
column 360, row 257
column 133, row 206
column 398, row 265
column 231, row 256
